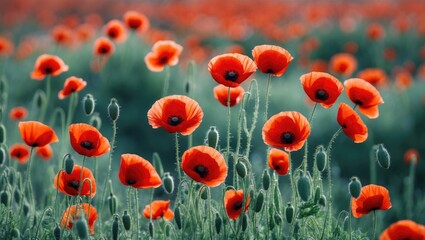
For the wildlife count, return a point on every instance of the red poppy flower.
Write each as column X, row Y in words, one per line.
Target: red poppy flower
column 411, row 155
column 322, row 88
column 205, row 165
column 137, row 172
column 351, row 123
column 279, row 161
column 70, row 215
column 233, row 201
column 231, row 69
column 372, row 197
column 365, row 95
column 71, row 85
column 288, row 130
column 374, row 76
column 176, row 113
column 62, row 35
column 403, row 229
column 271, row 59
column 116, row 31
column 403, row 79
column 221, row 94
column 163, row 53
column 48, row 65
column 18, row 113
column 375, row 31
column 136, row 21
column 45, row 152
column 160, row 209
column 20, row 152
column 69, row 184
column 36, row 134
column 103, row 47
column 6, row 47
column 318, row 66
column 343, row 64
column 86, row 140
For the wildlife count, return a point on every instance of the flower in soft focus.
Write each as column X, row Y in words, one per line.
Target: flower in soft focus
column 403, row 79
column 116, row 31
column 322, row 88
column 86, row 140
column 404, row 230
column 375, row 31
column 163, row 53
column 351, row 123
column 45, row 152
column 85, row 32
column 288, row 130
column 103, row 47
column 69, row 184
column 364, row 95
column 279, row 161
column 62, row 35
column 205, row 165
column 20, row 152
column 48, row 65
column 136, row 21
column 70, row 215
column 176, row 113
column 231, row 69
column 319, row 66
column 374, row 76
column 137, row 172
column 160, row 209
column 18, row 113
column 6, row 47
column 411, row 155
column 271, row 59
column 37, row 134
column 343, row 64
column 372, row 197
column 233, row 202
column 71, row 85
column 221, row 94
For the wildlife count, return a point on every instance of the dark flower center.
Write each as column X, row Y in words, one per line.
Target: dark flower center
column 113, row 33
column 48, row 70
column 237, row 206
column 201, row 171
column 231, row 76
column 130, row 181
column 174, row 120
column 104, row 50
column 163, row 60
column 358, row 102
column 287, row 137
column 276, row 167
column 270, row 70
column 74, row 184
column 322, row 95
column 87, row 145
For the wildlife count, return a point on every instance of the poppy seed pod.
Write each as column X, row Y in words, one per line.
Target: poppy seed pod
column 383, row 157
column 96, row 121
column 177, row 217
column 266, row 179
column 241, row 169
column 88, row 104
column 354, row 187
column 217, row 223
column 289, row 213
column 168, row 183
column 115, row 228
column 2, row 156
column 81, row 226
column 57, row 232
column 113, row 109
column 317, row 194
column 126, row 221
column 320, row 157
column 69, row 164
column 4, row 198
column 112, row 200
column 212, row 137
column 304, row 188
column 259, row 201
column 2, row 134
column 151, row 229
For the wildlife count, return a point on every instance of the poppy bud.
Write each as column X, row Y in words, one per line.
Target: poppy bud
column 26, row 208
column 167, row 230
column 218, row 222
column 157, row 163
column 277, row 218
column 322, row 201
column 39, row 99
column 320, row 158
column 304, row 188
column 383, row 157
column 212, row 137
column 81, row 226
column 3, row 86
column 4, row 198
column 17, row 195
column 151, row 229
column 112, row 200
column 168, row 183
column 115, row 228
column 69, row 163
column 241, row 169
column 2, row 156
column 126, row 221
column 204, row 193
column 113, row 109
column 16, row 233
column 88, row 104
column 244, row 222
column 277, row 196
column 229, row 187
column 271, row 223
column 2, row 133
column 317, row 194
column 57, row 232
column 266, row 179
column 187, row 87
column 289, row 213
column 355, row 187
column 95, row 121
column 296, row 230
column 259, row 201
column 177, row 217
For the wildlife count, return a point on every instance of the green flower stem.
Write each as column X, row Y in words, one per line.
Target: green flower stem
column 166, row 81
column 228, row 126
column 177, row 157
column 28, row 180
column 410, row 188
column 71, row 108
column 48, row 93
column 294, row 193
column 372, row 164
column 310, row 119
column 267, row 97
column 374, row 224
column 250, row 132
column 350, row 218
column 136, row 198
column 81, row 178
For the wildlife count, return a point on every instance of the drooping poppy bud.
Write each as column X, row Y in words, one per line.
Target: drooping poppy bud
column 2, row 156
column 322, row 201
column 212, row 137
column 244, row 222
column 383, row 157
column 4, row 198
column 96, row 121
column 57, row 232
column 320, row 157
column 177, row 217
column 115, row 228
column 168, row 183
column 217, row 223
column 81, row 226
column 16, row 234
column 204, row 193
column 241, row 169
column 259, row 201
column 317, row 194
column 266, row 179
column 304, row 188
column 151, row 229
column 289, row 212
column 113, row 109
column 69, row 164
column 88, row 104
column 355, row 187
column 126, row 221
column 112, row 200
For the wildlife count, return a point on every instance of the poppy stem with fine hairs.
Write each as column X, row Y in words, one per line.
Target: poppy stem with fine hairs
column 310, row 119
column 410, row 188
column 136, row 199
column 372, row 164
column 46, row 103
column 228, row 126
column 166, row 81
column 267, row 96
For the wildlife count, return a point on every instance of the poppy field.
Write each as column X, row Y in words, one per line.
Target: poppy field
column 260, row 119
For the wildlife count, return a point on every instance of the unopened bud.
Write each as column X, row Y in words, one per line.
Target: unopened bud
column 289, row 213
column 355, row 187
column 126, row 221
column 259, row 201
column 383, row 157
column 204, row 193
column 57, row 232
column 40, row 98
column 244, row 222
column 241, row 169
column 69, row 163
column 2, row 156
column 115, row 228
column 168, row 183
column 4, row 198
column 96, row 121
column 2, row 133
column 17, row 195
column 177, row 217
column 26, row 208
column 88, row 104
column 112, row 200
column 81, row 227
column 16, row 233
column 113, row 109
column 277, row 218
column 218, row 222
column 266, row 179
column 151, row 229
column 322, row 201
column 317, row 194
column 276, row 196
column 320, row 157
column 212, row 137
column 304, row 188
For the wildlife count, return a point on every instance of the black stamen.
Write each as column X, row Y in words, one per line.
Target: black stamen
column 201, row 171
column 287, row 137
column 231, row 76
column 87, row 145
column 174, row 120
column 322, row 95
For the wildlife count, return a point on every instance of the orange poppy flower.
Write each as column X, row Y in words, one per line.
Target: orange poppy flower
column 236, row 95
column 374, row 76
column 36, row 134
column 160, row 209
column 351, row 123
column 45, row 152
column 318, row 66
column 69, row 184
column 62, row 35
column 231, row 69
column 322, row 88
column 116, row 31
column 71, row 85
column 103, row 47
column 279, row 161
column 137, row 172
column 176, row 113
column 403, row 79
column 86, row 140
column 6, row 47
column 375, row 31
column 404, row 229
column 365, row 95
column 411, row 155
column 271, row 59
column 48, row 65
column 69, row 216
column 85, row 32
column 165, row 52
column 136, row 21
column 372, row 197
column 204, row 164
column 343, row 64
column 20, row 152
column 288, row 130
column 233, row 201
column 18, row 113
